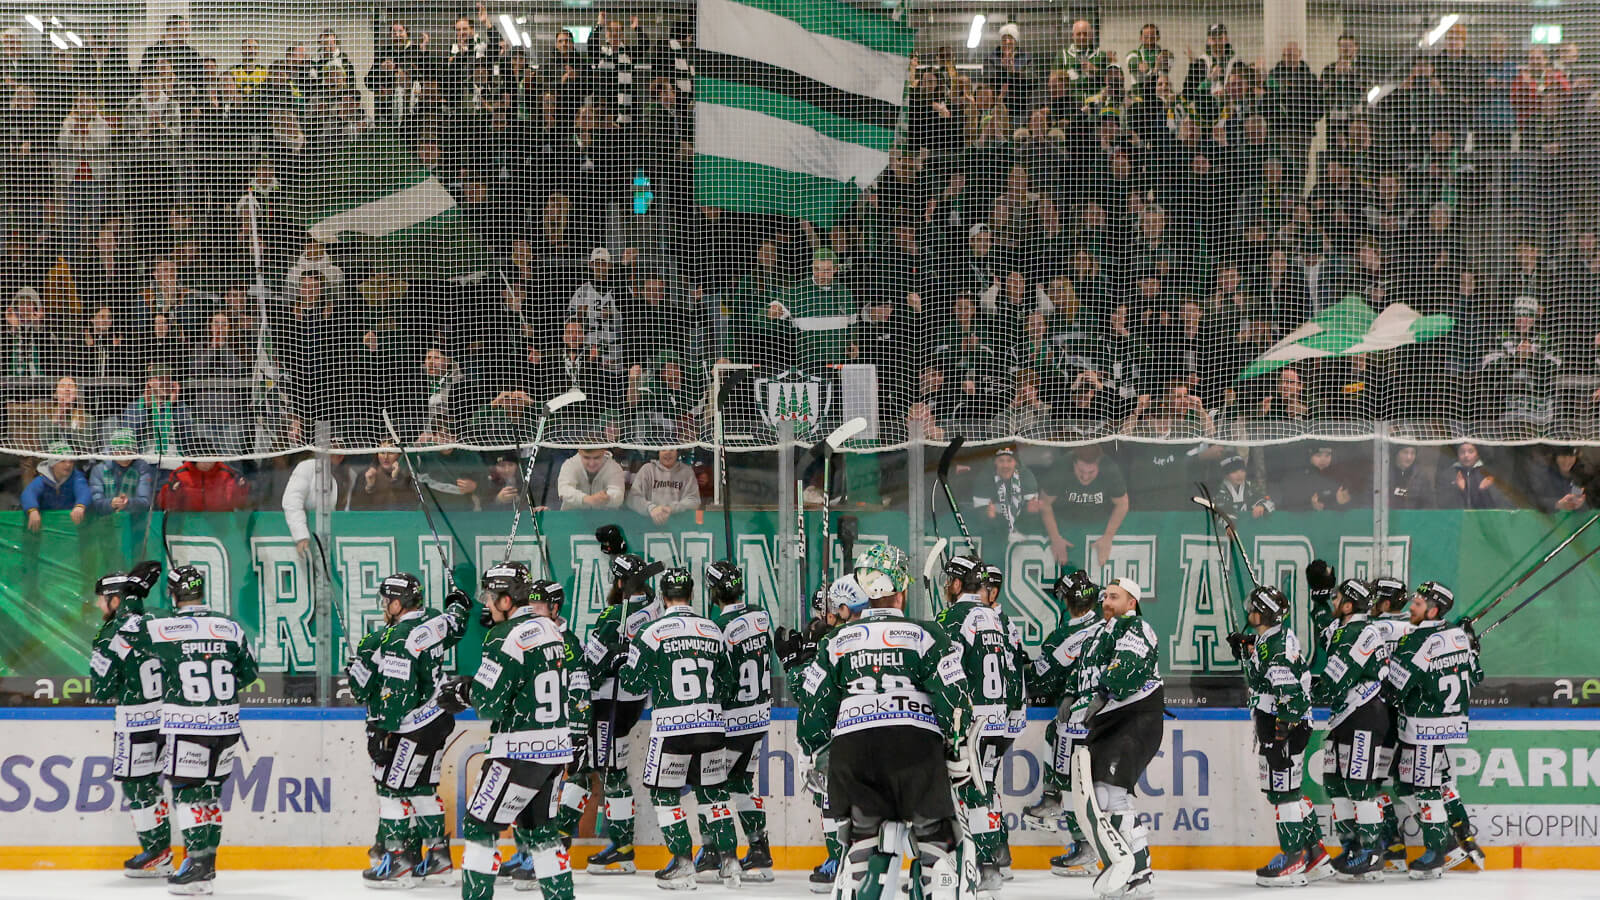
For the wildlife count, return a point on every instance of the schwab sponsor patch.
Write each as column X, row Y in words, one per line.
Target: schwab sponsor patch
column 488, row 673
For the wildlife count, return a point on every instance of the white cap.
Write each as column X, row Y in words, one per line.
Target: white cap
column 600, row 254
column 1129, row 585
column 1012, row 29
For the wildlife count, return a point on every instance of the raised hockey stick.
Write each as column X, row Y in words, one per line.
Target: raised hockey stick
column 946, row 460
column 1529, row 574
column 1535, row 595
column 551, row 407
column 826, row 448
column 1205, row 501
column 416, row 483
column 724, row 391
column 849, row 531
column 930, row 569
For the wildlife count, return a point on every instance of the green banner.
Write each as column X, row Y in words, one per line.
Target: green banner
column 258, row 574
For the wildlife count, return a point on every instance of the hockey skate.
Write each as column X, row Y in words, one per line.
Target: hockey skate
column 1359, row 864
column 821, row 880
column 395, row 870
column 730, row 873
column 1079, row 861
column 1142, row 885
column 1319, row 864
column 1433, row 864
column 1047, row 813
column 522, row 877
column 197, row 875
column 613, row 860
column 149, row 864
column 1285, row 870
column 1394, row 858
column 436, row 867
column 989, row 881
column 1002, row 858
column 707, row 865
column 1466, row 838
column 374, row 853
column 757, row 862
column 515, row 864
column 678, row 875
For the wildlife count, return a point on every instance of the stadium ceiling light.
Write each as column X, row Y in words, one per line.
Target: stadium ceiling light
column 34, row 22
column 1445, row 24
column 509, row 27
column 975, row 34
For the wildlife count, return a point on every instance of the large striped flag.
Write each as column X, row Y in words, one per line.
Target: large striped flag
column 376, row 192
column 796, row 103
column 1349, row 328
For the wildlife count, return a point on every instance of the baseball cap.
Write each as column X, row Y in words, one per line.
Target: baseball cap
column 1232, row 464
column 1217, row 28
column 1525, row 306
column 600, row 254
column 1129, row 585
column 1006, row 451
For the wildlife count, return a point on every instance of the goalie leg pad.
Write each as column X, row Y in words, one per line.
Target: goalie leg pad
column 1109, row 844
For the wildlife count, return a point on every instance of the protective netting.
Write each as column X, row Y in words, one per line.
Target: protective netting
column 241, row 233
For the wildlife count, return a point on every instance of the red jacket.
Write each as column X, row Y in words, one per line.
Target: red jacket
column 190, row 490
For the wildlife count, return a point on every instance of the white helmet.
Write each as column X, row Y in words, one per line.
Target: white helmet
column 846, row 591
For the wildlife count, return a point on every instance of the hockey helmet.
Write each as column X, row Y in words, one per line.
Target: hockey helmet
column 1269, row 602
column 510, row 579
column 724, row 582
column 186, row 584
column 846, row 592
column 1357, row 593
column 551, row 592
column 1076, row 592
column 1437, row 596
column 1389, row 591
column 677, row 583
column 403, row 587
column 965, row 569
column 881, row 571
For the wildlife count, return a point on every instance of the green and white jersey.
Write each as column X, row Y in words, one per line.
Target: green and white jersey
column 1278, row 677
column 578, row 678
column 1120, row 658
column 361, row 671
column 1055, row 672
column 680, row 661
column 608, row 641
column 1392, row 627
column 1430, row 683
column 749, row 634
column 1351, row 671
column 522, row 686
column 409, row 663
column 883, row 671
column 1021, row 666
column 205, row 662
column 121, row 675
column 980, row 636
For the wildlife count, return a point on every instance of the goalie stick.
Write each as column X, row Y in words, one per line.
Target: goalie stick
column 551, row 407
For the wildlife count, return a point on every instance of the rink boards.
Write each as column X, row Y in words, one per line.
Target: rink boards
column 301, row 796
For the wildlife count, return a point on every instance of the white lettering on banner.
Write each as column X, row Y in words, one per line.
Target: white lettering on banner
column 209, row 556
column 1282, row 560
column 1357, row 558
column 1205, row 614
column 363, row 563
column 285, row 600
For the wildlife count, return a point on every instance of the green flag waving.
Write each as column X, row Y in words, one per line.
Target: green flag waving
column 1349, row 328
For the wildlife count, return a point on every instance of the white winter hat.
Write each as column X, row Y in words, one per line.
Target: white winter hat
column 1012, row 29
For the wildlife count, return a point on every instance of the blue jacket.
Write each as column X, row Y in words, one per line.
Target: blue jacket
column 43, row 493
column 107, row 479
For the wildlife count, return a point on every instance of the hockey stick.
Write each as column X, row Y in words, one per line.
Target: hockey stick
column 826, row 448
column 930, row 567
column 551, row 407
column 1207, row 503
column 724, row 391
column 1533, row 596
column 1224, row 555
column 947, row 459
column 849, row 531
column 1529, row 574
column 333, row 603
column 800, row 544
column 416, row 482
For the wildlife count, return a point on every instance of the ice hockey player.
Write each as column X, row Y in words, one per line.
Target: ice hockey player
column 1275, row 671
column 994, row 580
column 843, row 602
column 205, row 663
column 1055, row 683
column 747, row 715
column 680, row 661
column 132, row 680
column 1391, row 615
column 888, row 696
column 614, row 711
column 979, row 634
column 522, row 686
column 549, row 598
column 407, row 668
column 1347, row 679
column 1431, row 676
column 1120, row 696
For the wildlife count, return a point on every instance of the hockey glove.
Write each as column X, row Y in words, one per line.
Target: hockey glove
column 814, row 778
column 455, row 694
column 458, row 599
column 796, row 649
column 1096, row 703
column 1281, row 729
column 1241, row 643
column 1472, row 637
column 1320, row 578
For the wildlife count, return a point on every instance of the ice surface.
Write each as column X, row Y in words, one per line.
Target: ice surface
column 1520, row 884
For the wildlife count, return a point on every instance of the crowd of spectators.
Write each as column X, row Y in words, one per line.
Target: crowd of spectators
column 1070, row 242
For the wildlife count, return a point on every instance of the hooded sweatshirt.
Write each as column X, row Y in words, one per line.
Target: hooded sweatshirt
column 45, row 493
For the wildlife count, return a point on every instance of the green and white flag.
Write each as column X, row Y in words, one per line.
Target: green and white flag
column 1349, row 328
column 796, row 103
column 376, row 191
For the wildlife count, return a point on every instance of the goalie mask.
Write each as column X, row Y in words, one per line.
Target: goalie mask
column 881, row 571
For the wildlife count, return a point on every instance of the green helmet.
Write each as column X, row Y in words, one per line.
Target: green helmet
column 881, row 571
